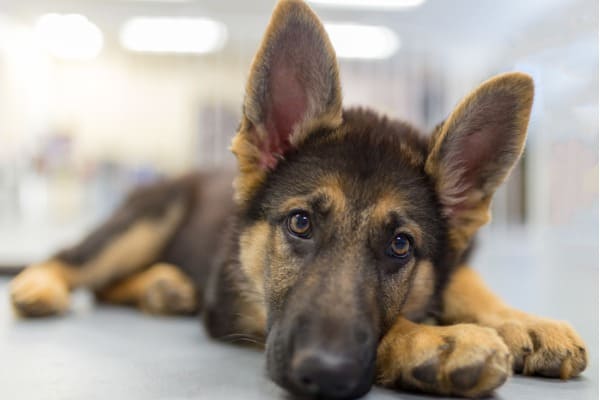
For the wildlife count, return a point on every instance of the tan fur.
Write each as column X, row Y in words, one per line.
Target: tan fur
column 322, row 111
column 329, row 189
column 474, row 211
column 283, row 269
column 132, row 250
column 466, row 224
column 41, row 289
column 254, row 243
column 250, row 177
column 387, row 203
column 461, row 360
column 161, row 289
column 44, row 288
column 539, row 346
column 420, row 292
column 252, row 319
column 394, row 202
column 253, row 248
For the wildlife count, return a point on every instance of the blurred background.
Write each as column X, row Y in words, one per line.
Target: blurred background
column 97, row 96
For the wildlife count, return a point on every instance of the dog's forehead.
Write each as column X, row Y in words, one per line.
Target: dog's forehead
column 370, row 165
column 360, row 200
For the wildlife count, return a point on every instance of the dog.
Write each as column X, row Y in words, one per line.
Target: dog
column 343, row 232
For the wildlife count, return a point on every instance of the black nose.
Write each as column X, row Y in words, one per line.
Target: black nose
column 320, row 373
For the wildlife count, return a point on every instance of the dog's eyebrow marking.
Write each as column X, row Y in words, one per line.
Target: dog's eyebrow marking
column 390, row 210
column 317, row 201
column 328, row 197
column 387, row 204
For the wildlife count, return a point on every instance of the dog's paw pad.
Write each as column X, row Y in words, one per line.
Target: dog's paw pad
column 465, row 378
column 39, row 291
column 428, row 371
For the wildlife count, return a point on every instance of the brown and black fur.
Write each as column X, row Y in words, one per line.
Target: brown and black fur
column 335, row 309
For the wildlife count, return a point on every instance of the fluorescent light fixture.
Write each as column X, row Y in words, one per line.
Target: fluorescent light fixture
column 173, row 35
column 369, row 4
column 68, row 36
column 362, row 41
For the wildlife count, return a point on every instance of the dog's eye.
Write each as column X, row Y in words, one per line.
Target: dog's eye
column 400, row 246
column 298, row 224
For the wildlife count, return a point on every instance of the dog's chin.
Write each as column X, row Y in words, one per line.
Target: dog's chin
column 278, row 367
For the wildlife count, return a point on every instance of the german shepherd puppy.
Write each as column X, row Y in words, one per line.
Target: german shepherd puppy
column 345, row 231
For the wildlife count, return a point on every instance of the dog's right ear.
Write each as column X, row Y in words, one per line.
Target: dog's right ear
column 293, row 89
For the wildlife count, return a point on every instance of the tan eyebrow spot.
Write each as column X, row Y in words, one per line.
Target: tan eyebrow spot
column 332, row 189
column 329, row 189
column 394, row 203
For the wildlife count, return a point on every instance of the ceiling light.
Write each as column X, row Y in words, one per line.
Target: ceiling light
column 362, row 41
column 68, row 36
column 369, row 4
column 173, row 35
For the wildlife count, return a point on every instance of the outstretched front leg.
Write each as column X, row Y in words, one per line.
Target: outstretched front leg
column 539, row 346
column 460, row 360
column 162, row 289
column 131, row 240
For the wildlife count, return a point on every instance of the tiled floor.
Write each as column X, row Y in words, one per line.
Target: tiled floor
column 113, row 353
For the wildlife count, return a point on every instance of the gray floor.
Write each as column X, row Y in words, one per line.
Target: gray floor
column 105, row 352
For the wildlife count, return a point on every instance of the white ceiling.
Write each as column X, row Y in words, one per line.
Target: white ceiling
column 437, row 24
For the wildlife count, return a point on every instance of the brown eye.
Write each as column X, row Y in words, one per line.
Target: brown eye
column 400, row 247
column 299, row 224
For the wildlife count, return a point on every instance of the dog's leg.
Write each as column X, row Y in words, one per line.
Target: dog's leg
column 461, row 360
column 132, row 239
column 539, row 346
column 162, row 289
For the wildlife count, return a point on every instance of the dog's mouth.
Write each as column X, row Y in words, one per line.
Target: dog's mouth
column 310, row 370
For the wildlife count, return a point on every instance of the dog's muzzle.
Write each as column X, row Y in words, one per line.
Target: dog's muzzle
column 325, row 359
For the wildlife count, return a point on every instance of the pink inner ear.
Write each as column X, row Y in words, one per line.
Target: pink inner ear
column 479, row 154
column 471, row 153
column 477, row 148
column 287, row 105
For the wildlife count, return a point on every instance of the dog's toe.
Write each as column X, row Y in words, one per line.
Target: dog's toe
column 39, row 291
column 544, row 347
column 462, row 360
column 168, row 292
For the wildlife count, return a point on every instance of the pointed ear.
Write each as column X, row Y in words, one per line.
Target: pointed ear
column 293, row 89
column 474, row 150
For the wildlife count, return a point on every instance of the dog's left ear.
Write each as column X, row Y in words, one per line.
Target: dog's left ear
column 293, row 89
column 474, row 150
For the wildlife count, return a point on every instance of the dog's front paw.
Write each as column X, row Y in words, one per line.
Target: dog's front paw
column 39, row 291
column 544, row 347
column 167, row 292
column 462, row 360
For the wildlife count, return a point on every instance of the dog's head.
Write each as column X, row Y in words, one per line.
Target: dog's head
column 350, row 219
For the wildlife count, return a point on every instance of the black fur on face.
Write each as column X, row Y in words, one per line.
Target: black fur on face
column 338, row 289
